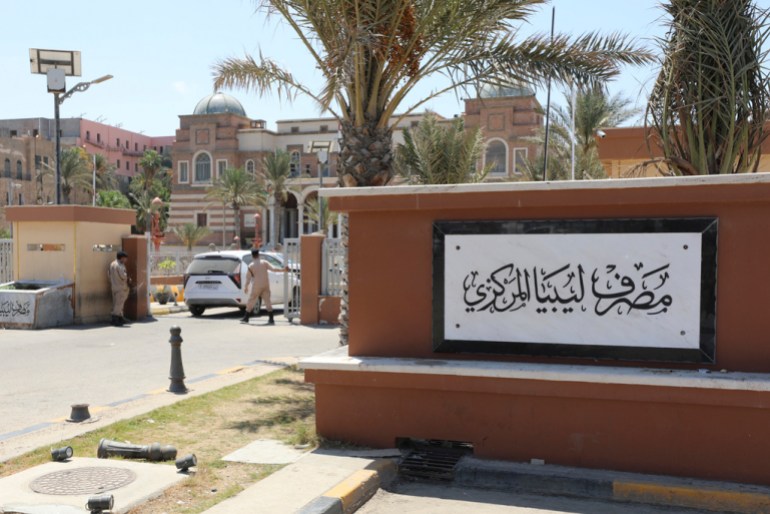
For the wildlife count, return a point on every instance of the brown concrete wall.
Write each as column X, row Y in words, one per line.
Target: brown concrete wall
column 391, row 250
column 672, row 431
column 691, row 430
column 310, row 257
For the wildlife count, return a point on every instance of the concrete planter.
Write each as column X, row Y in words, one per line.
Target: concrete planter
column 35, row 304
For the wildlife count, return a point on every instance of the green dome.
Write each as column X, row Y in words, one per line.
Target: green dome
column 490, row 91
column 219, row 103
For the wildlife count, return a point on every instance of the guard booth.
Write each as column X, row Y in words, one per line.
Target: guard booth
column 75, row 244
column 618, row 324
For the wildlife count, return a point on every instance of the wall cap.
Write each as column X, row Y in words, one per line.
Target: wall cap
column 339, row 360
column 559, row 185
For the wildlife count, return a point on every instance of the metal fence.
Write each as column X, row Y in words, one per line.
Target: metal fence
column 6, row 260
column 180, row 257
column 333, row 266
column 292, row 283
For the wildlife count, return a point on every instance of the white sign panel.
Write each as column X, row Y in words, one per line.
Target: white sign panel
column 631, row 289
column 588, row 289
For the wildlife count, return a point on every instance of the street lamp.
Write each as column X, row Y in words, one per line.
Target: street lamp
column 322, row 150
column 58, row 100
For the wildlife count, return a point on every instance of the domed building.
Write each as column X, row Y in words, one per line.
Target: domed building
column 507, row 116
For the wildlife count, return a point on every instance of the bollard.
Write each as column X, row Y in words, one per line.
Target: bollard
column 185, row 463
column 177, row 370
column 79, row 413
column 61, row 454
column 153, row 452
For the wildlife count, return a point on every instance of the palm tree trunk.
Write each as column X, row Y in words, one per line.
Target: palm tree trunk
column 366, row 155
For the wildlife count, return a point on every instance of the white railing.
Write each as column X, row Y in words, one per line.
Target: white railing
column 333, row 267
column 6, row 260
column 292, row 282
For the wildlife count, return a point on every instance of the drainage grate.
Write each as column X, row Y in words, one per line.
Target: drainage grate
column 433, row 460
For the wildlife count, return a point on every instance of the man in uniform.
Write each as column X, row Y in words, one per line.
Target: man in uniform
column 257, row 279
column 119, row 285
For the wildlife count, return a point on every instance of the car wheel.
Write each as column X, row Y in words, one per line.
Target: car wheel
column 197, row 310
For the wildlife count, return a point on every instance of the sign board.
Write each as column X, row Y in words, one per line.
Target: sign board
column 620, row 289
column 40, row 61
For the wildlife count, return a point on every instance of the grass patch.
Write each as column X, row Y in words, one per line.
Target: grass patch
column 276, row 406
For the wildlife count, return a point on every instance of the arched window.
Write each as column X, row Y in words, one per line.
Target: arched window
column 7, row 168
column 496, row 157
column 294, row 165
column 250, row 167
column 19, row 171
column 203, row 168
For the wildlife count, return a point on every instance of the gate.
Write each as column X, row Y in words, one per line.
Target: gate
column 332, row 267
column 291, row 282
column 6, row 260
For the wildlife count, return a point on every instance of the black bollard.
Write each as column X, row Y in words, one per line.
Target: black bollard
column 177, row 370
column 153, row 452
column 100, row 503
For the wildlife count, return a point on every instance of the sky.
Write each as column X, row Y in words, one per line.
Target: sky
column 161, row 53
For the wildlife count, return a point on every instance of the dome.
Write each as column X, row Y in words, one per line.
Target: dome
column 490, row 91
column 219, row 103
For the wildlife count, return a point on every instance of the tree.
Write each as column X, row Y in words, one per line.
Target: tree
column 319, row 213
column 276, row 170
column 112, row 198
column 237, row 188
column 438, row 153
column 710, row 102
column 594, row 109
column 373, row 53
column 190, row 234
column 75, row 172
column 151, row 163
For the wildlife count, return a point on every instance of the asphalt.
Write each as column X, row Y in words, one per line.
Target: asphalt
column 339, row 482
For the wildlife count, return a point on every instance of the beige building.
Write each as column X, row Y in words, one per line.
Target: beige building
column 219, row 135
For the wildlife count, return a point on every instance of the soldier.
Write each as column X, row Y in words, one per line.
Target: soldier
column 257, row 277
column 120, row 287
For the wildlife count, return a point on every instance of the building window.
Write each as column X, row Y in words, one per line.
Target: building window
column 128, row 166
column 495, row 157
column 324, row 128
column 127, row 144
column 307, row 170
column 88, row 135
column 221, row 167
column 203, row 168
column 201, row 219
column 98, row 138
column 250, row 167
column 118, row 166
column 136, row 167
column 117, row 142
column 136, row 147
column 519, row 160
column 295, row 130
column 7, row 168
column 19, row 171
column 184, row 172
column 21, row 199
column 294, row 164
column 8, row 198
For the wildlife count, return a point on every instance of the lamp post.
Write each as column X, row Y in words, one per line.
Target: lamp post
column 58, row 99
column 322, row 150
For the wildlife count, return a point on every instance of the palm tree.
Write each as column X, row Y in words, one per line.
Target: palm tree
column 373, row 53
column 237, row 188
column 709, row 104
column 276, row 170
column 319, row 213
column 594, row 109
column 190, row 234
column 75, row 172
column 440, row 153
column 151, row 162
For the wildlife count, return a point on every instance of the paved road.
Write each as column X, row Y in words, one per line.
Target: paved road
column 417, row 498
column 44, row 372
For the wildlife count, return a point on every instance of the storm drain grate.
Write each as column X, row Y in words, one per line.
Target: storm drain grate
column 433, row 460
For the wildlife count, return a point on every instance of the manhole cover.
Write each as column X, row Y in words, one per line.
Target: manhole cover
column 83, row 481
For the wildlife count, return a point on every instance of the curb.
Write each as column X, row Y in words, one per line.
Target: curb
column 166, row 310
column 350, row 494
column 704, row 495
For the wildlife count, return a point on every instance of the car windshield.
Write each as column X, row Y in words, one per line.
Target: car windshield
column 215, row 265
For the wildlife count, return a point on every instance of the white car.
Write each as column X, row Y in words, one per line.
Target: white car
column 216, row 279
